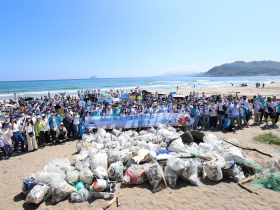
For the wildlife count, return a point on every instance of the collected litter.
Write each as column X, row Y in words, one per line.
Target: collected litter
column 158, row 156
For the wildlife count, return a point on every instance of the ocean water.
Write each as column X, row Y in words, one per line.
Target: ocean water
column 36, row 88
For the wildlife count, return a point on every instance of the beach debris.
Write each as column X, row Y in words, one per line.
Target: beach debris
column 159, row 156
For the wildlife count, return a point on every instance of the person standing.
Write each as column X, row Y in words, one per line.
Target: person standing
column 213, row 114
column 2, row 146
column 47, row 130
column 277, row 113
column 206, row 116
column 234, row 113
column 257, row 110
column 53, row 127
column 221, row 113
column 66, row 122
column 39, row 131
column 270, row 110
column 30, row 135
column 17, row 137
column 7, row 134
column 76, row 123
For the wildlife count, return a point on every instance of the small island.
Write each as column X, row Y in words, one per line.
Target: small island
column 93, row 77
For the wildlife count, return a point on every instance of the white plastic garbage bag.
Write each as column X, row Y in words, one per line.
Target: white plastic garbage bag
column 126, row 157
column 113, row 145
column 170, row 176
column 190, row 172
column 217, row 157
column 235, row 152
column 213, row 140
column 154, row 174
column 99, row 159
column 213, row 170
column 38, row 194
column 86, row 175
column 141, row 144
column 113, row 156
column 72, row 177
column 100, row 173
column 80, row 196
column 64, row 164
column 82, row 164
column 176, row 146
column 151, row 146
column 50, row 167
column 176, row 164
column 48, row 177
column 205, row 146
column 60, row 191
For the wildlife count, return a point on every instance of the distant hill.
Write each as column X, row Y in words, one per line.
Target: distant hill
column 241, row 68
column 93, row 77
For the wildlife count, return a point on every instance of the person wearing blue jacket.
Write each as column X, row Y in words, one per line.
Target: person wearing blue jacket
column 116, row 111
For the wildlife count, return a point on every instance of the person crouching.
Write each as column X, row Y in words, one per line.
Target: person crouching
column 61, row 133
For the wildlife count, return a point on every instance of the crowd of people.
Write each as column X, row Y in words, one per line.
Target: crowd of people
column 36, row 122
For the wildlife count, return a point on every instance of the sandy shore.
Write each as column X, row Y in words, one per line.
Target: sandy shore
column 251, row 90
column 225, row 194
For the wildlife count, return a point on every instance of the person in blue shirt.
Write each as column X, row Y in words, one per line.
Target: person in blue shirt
column 194, row 113
column 263, row 101
column 94, row 113
column 82, row 127
column 116, row 111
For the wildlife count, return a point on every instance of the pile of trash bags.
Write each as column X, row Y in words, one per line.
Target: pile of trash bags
column 153, row 155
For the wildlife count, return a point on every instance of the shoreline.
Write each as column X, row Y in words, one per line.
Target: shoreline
column 251, row 90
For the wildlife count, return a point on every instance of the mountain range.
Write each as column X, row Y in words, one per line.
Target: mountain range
column 241, row 68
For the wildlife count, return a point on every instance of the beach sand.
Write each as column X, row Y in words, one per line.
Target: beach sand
column 251, row 90
column 224, row 194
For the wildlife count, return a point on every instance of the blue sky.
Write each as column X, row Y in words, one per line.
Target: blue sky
column 65, row 39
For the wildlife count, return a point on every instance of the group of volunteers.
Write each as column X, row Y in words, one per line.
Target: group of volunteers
column 36, row 122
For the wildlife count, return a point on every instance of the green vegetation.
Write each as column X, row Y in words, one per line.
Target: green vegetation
column 268, row 138
column 241, row 68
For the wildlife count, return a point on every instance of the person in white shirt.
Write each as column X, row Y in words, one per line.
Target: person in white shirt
column 234, row 113
column 155, row 110
column 270, row 110
column 213, row 114
column 163, row 109
column 245, row 104
column 6, row 137
column 17, row 137
column 76, row 123
column 47, row 129
column 30, row 134
column 257, row 108
column 148, row 109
